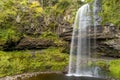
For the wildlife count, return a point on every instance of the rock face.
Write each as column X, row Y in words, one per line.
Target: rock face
column 29, row 43
column 108, row 40
column 34, row 43
column 109, row 47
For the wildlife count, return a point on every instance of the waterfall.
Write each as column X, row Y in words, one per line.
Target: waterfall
column 83, row 45
column 96, row 10
column 97, row 19
column 80, row 53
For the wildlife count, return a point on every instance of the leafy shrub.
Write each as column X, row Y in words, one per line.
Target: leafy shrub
column 18, row 62
column 110, row 12
column 115, row 68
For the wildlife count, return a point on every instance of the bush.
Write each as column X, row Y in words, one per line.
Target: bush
column 115, row 68
column 18, row 62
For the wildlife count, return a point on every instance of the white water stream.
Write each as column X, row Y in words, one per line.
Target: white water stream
column 80, row 53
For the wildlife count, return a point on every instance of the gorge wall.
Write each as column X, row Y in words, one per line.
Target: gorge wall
column 107, row 37
column 108, row 41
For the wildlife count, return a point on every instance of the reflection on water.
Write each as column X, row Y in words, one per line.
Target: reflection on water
column 55, row 76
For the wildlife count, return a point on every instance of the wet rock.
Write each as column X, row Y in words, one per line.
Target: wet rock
column 110, row 48
column 108, row 40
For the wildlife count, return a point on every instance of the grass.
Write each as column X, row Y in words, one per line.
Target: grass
column 18, row 62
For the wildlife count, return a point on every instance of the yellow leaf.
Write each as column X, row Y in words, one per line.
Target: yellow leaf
column 39, row 9
column 34, row 4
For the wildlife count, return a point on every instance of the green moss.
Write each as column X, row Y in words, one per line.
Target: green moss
column 17, row 62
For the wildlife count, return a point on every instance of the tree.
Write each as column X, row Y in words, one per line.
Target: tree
column 111, row 12
column 16, row 15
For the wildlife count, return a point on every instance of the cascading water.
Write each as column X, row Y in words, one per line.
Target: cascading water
column 80, row 54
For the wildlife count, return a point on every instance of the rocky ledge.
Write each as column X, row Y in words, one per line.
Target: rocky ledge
column 108, row 41
column 107, row 37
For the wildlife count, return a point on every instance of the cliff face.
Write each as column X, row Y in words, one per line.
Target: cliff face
column 107, row 37
column 40, row 41
column 109, row 46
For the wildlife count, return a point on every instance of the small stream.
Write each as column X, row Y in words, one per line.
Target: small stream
column 55, row 76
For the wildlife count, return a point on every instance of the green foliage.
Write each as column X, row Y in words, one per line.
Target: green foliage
column 62, row 6
column 17, row 62
column 115, row 68
column 48, row 34
column 102, row 65
column 22, row 16
column 14, row 15
column 53, row 58
column 13, row 62
column 87, row 1
column 111, row 12
column 53, row 37
column 8, row 34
